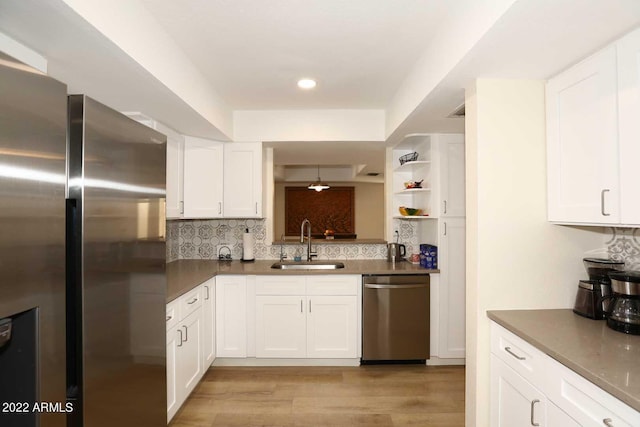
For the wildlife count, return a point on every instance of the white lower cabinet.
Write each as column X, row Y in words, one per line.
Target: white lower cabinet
column 172, row 354
column 209, row 322
column 452, row 289
column 332, row 327
column 281, row 326
column 515, row 402
column 530, row 388
column 190, row 343
column 231, row 316
column 307, row 316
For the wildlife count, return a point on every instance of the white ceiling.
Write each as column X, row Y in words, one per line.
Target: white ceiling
column 253, row 52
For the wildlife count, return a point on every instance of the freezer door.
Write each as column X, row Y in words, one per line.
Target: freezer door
column 117, row 180
column 32, row 191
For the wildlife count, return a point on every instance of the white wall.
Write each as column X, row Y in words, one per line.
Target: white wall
column 515, row 258
column 308, row 125
column 130, row 26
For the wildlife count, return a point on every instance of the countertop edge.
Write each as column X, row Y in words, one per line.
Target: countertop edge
column 620, row 394
column 196, row 272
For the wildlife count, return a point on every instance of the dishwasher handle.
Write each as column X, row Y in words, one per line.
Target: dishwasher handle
column 408, row 286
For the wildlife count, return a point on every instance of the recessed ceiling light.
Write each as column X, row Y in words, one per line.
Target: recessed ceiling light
column 306, row 83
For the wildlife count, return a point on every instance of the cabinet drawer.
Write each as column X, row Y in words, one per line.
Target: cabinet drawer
column 280, row 285
column 584, row 401
column 518, row 354
column 190, row 302
column 173, row 313
column 333, row 285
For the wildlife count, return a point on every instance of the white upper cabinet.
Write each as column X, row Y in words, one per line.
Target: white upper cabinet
column 582, row 142
column 452, row 182
column 203, row 187
column 629, row 125
column 175, row 159
column 243, row 180
column 592, row 138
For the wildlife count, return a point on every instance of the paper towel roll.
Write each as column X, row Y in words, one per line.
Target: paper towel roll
column 248, row 243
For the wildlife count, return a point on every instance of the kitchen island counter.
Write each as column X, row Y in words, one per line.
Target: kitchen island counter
column 607, row 358
column 184, row 275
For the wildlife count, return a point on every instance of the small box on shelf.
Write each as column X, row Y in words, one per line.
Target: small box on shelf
column 428, row 256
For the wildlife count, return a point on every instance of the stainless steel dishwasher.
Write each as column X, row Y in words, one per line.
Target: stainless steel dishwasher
column 395, row 318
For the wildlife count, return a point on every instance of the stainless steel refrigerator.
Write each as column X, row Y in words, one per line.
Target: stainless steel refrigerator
column 82, row 259
column 32, row 234
column 116, row 284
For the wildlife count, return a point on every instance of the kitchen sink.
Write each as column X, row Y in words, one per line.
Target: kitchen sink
column 312, row 265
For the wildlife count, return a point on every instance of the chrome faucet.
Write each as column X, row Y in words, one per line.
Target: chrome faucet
column 310, row 253
column 283, row 256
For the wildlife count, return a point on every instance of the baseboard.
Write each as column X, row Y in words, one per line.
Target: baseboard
column 436, row 361
column 252, row 361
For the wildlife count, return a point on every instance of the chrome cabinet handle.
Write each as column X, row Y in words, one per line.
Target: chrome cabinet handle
column 608, row 422
column 508, row 350
column 186, row 333
column 220, row 208
column 193, row 301
column 301, row 311
column 309, row 306
column 169, row 318
column 445, row 206
column 445, row 228
column 181, row 207
column 256, row 208
column 602, row 193
column 533, row 404
column 207, row 288
column 180, row 332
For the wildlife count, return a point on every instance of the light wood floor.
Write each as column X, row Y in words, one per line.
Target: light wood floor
column 382, row 395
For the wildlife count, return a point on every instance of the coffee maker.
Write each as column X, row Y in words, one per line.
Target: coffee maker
column 593, row 297
column 624, row 315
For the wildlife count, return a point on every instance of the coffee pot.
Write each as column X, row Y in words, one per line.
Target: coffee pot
column 396, row 252
column 624, row 314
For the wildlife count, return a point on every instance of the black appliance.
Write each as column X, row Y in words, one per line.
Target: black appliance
column 624, row 315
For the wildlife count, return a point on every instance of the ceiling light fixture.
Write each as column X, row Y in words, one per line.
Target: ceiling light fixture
column 306, row 83
column 318, row 185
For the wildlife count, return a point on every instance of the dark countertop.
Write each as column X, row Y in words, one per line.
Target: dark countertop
column 185, row 274
column 607, row 358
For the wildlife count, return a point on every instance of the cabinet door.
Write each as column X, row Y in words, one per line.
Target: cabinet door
column 202, row 178
column 175, row 159
column 243, row 180
column 231, row 316
column 332, row 327
column 281, row 326
column 556, row 417
column 189, row 354
column 452, row 177
column 629, row 126
column 208, row 323
column 582, row 142
column 514, row 402
column 174, row 400
column 451, row 295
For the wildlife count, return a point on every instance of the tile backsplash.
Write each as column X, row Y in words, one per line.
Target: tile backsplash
column 624, row 245
column 200, row 239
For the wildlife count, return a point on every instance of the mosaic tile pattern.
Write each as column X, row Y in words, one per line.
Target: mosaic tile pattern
column 624, row 245
column 173, row 250
column 202, row 239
